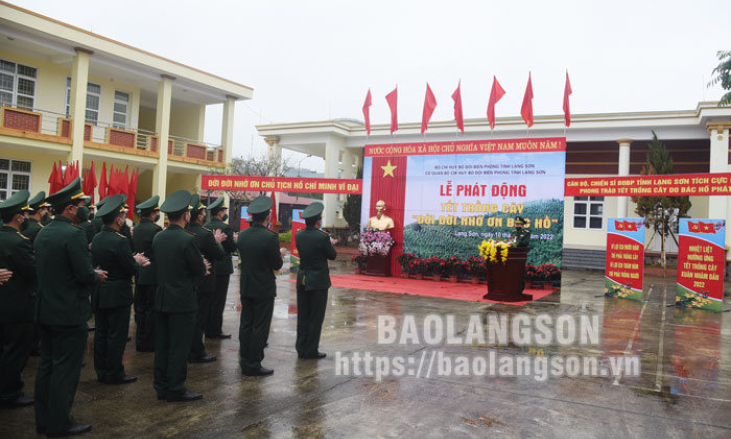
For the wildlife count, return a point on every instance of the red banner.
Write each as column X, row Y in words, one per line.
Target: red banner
column 281, row 184
column 650, row 185
column 499, row 146
column 701, row 263
column 625, row 258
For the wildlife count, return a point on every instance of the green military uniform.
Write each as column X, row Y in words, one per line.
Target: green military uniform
column 179, row 263
column 111, row 300
column 85, row 224
column 313, row 281
column 260, row 257
column 16, row 303
column 223, row 270
column 146, row 283
column 31, row 228
column 205, row 285
column 65, row 277
column 97, row 221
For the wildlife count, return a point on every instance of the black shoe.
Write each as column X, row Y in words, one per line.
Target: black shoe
column 126, row 379
column 185, row 397
column 224, row 336
column 258, row 373
column 203, row 359
column 317, row 356
column 74, row 430
column 146, row 350
column 129, row 338
column 22, row 401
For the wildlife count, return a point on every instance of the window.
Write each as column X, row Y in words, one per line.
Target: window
column 121, row 109
column 589, row 213
column 93, row 97
column 14, row 176
column 17, row 85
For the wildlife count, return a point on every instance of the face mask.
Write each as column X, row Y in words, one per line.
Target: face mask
column 46, row 216
column 156, row 218
column 120, row 221
column 224, row 218
column 82, row 213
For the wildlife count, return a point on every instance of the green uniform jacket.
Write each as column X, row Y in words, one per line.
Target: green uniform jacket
column 142, row 241
column 88, row 229
column 16, row 296
column 522, row 237
column 65, row 274
column 111, row 252
column 260, row 257
column 210, row 250
column 178, row 263
column 315, row 249
column 32, row 227
column 98, row 225
column 224, row 266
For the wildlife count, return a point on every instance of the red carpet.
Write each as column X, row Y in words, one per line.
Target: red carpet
column 428, row 288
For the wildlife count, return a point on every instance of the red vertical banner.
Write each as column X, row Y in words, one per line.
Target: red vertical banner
column 298, row 223
column 701, row 263
column 388, row 183
column 625, row 258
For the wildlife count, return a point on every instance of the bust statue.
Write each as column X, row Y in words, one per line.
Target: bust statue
column 380, row 221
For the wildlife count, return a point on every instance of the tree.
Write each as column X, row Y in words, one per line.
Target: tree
column 351, row 208
column 660, row 213
column 722, row 75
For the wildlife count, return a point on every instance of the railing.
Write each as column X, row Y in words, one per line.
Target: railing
column 35, row 120
column 194, row 149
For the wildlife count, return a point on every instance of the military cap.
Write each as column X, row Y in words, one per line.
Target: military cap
column 16, row 204
column 150, row 205
column 260, row 205
column 195, row 202
column 178, row 201
column 519, row 219
column 114, row 204
column 101, row 202
column 38, row 201
column 66, row 195
column 217, row 205
column 313, row 210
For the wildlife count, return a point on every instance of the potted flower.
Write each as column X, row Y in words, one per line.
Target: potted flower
column 476, row 268
column 452, row 266
column 531, row 276
column 553, row 276
column 359, row 260
column 436, row 266
column 418, row 266
column 403, row 260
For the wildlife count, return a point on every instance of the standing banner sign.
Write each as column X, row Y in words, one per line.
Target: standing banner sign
column 701, row 263
column 244, row 224
column 625, row 258
column 298, row 223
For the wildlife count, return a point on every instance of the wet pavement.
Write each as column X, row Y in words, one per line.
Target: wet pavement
column 684, row 389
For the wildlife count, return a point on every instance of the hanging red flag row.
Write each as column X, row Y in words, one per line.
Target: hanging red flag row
column 496, row 93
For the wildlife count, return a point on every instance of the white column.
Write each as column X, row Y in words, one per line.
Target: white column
column 623, row 171
column 227, row 136
column 333, row 146
column 274, row 153
column 162, row 126
column 77, row 106
column 719, row 207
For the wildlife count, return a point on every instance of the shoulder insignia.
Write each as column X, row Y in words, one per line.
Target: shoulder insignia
column 41, row 225
column 77, row 226
column 120, row 235
column 189, row 232
column 207, row 229
column 22, row 236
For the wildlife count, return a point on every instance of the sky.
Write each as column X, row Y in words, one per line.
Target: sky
column 315, row 60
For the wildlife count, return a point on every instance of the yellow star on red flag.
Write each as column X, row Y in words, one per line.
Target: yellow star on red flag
column 388, row 169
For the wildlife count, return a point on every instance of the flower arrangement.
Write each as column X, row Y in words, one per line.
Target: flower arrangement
column 476, row 266
column 620, row 291
column 452, row 265
column 435, row 265
column 374, row 242
column 552, row 272
column 530, row 272
column 495, row 251
column 359, row 260
column 693, row 301
column 417, row 265
column 404, row 259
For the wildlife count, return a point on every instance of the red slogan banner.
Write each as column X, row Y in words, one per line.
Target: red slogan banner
column 281, row 184
column 500, row 146
column 650, row 185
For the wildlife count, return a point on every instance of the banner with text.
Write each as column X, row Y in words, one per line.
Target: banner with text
column 650, row 185
column 447, row 197
column 280, row 184
column 625, row 258
column 701, row 263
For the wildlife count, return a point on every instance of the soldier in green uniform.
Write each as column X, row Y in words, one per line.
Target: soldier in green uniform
column 260, row 257
column 313, row 280
column 85, row 224
column 223, row 269
column 34, row 215
column 65, row 275
column 111, row 301
column 16, row 301
column 208, row 244
column 179, row 263
column 97, row 222
column 146, row 284
column 520, row 235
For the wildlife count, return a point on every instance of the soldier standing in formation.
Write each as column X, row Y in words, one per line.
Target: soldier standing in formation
column 146, row 284
column 315, row 247
column 37, row 209
column 260, row 257
column 65, row 276
column 111, row 301
column 16, row 301
column 178, row 263
column 208, row 244
column 223, row 269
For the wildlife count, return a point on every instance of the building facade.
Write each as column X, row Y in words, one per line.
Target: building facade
column 70, row 95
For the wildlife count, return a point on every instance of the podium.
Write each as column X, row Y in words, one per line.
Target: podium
column 505, row 282
column 379, row 265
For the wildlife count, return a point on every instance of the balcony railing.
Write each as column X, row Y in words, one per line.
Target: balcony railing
column 195, row 150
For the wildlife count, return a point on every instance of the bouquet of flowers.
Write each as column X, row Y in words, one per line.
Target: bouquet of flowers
column 495, row 251
column 374, row 242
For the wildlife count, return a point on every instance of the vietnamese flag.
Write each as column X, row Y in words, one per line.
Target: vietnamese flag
column 457, row 98
column 392, row 99
column 566, row 108
column 707, row 227
column 367, row 111
column 496, row 94
column 526, row 110
column 430, row 103
column 694, row 227
column 630, row 226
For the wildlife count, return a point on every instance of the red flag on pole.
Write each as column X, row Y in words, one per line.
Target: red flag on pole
column 112, row 186
column 90, row 180
column 103, row 182
column 526, row 110
column 496, row 94
column 392, row 99
column 367, row 111
column 566, row 92
column 124, row 182
column 132, row 194
column 430, row 103
column 457, row 98
column 55, row 181
column 273, row 219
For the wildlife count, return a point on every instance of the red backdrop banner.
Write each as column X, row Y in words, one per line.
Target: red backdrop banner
column 281, row 184
column 389, row 184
